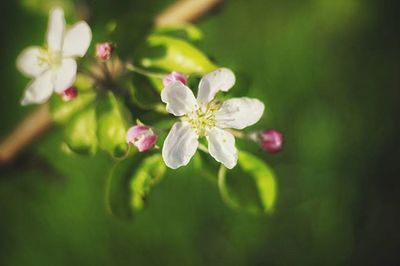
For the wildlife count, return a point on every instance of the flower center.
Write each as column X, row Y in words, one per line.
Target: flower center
column 203, row 118
column 47, row 57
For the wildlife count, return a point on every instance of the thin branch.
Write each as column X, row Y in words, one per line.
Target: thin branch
column 185, row 11
column 28, row 130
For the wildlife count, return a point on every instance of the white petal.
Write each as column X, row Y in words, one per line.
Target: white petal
column 77, row 40
column 179, row 99
column 55, row 29
column 221, row 145
column 39, row 90
column 180, row 145
column 64, row 76
column 239, row 113
column 29, row 64
column 221, row 79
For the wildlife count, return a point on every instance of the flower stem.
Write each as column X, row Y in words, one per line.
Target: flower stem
column 106, row 70
column 203, row 148
column 144, row 72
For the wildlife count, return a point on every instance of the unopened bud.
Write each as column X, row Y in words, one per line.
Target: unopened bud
column 69, row 94
column 174, row 76
column 142, row 137
column 104, row 50
column 271, row 140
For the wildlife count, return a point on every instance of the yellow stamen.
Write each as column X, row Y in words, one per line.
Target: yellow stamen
column 203, row 119
column 53, row 59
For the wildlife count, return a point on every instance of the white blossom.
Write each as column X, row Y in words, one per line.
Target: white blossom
column 53, row 67
column 204, row 117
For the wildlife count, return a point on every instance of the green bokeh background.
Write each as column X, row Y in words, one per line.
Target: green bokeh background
column 328, row 72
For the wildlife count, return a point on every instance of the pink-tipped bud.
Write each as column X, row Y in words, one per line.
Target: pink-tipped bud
column 174, row 76
column 69, row 94
column 104, row 50
column 271, row 140
column 142, row 137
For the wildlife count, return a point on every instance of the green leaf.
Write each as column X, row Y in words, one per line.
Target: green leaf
column 84, row 82
column 168, row 54
column 156, row 83
column 205, row 165
column 251, row 185
column 113, row 121
column 131, row 182
column 184, row 31
column 80, row 132
column 62, row 111
column 143, row 94
column 149, row 173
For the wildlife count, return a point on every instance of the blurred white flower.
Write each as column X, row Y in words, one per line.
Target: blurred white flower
column 203, row 117
column 53, row 68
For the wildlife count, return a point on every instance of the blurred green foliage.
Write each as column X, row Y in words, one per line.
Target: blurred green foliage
column 80, row 132
column 250, row 185
column 130, row 182
column 327, row 73
column 113, row 121
column 62, row 111
column 165, row 52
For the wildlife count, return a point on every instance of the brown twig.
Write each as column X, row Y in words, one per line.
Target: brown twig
column 184, row 11
column 40, row 120
column 28, row 130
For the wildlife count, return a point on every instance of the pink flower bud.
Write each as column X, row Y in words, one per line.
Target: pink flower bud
column 174, row 76
column 142, row 137
column 271, row 140
column 69, row 94
column 104, row 50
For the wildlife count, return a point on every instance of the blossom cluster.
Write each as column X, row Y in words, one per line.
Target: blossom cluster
column 200, row 119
